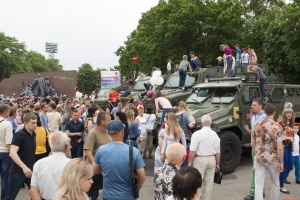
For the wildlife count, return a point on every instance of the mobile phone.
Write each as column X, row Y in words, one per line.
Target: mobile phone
column 244, row 123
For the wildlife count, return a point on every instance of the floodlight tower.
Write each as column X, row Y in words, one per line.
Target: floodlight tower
column 51, row 48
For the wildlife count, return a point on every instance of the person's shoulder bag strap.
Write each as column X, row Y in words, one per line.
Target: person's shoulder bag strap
column 133, row 179
column 149, row 117
column 48, row 149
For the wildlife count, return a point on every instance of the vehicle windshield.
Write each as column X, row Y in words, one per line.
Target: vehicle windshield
column 173, row 81
column 139, row 85
column 103, row 92
column 200, row 94
column 224, row 95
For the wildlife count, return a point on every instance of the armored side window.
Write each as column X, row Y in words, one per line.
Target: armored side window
column 251, row 93
column 277, row 94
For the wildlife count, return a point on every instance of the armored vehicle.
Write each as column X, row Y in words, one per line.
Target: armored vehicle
column 171, row 88
column 228, row 103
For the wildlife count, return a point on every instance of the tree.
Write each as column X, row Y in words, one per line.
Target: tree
column 280, row 49
column 88, row 79
column 39, row 63
column 12, row 54
column 172, row 29
column 53, row 65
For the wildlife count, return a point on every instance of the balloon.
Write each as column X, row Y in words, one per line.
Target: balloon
column 134, row 59
column 160, row 81
column 156, row 73
column 150, row 94
column 153, row 80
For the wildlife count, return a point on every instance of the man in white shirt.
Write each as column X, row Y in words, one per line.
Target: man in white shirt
column 6, row 135
column 169, row 70
column 54, row 118
column 47, row 171
column 205, row 155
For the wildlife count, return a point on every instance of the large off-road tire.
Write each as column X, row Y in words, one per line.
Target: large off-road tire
column 231, row 149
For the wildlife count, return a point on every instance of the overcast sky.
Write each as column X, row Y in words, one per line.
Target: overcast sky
column 87, row 31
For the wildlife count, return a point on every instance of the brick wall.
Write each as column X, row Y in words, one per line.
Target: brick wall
column 63, row 82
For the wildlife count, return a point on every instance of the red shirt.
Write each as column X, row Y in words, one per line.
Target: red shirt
column 113, row 96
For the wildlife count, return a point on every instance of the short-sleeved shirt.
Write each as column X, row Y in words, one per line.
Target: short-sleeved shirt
column 183, row 121
column 14, row 125
column 163, row 181
column 6, row 134
column 113, row 96
column 75, row 127
column 114, row 161
column 95, row 139
column 266, row 134
column 184, row 65
column 54, row 121
column 47, row 172
column 44, row 119
column 205, row 142
column 244, row 57
column 238, row 53
column 27, row 144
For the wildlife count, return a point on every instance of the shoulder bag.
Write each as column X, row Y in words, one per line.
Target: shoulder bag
column 48, row 149
column 133, row 176
column 218, row 177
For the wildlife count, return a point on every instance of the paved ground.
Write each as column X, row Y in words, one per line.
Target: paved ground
column 234, row 186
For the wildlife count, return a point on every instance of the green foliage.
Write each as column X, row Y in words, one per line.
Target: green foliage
column 172, row 29
column 12, row 54
column 281, row 49
column 15, row 59
column 175, row 27
column 88, row 79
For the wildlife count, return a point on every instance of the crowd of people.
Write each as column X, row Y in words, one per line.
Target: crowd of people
column 275, row 148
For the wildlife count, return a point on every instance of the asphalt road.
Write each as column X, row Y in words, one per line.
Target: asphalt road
column 235, row 186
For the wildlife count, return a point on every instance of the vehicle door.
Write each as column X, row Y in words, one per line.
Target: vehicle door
column 277, row 96
column 249, row 93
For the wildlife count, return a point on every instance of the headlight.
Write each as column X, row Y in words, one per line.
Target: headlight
column 198, row 126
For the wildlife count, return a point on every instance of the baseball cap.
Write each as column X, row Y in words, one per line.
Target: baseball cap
column 244, row 49
column 130, row 88
column 115, row 126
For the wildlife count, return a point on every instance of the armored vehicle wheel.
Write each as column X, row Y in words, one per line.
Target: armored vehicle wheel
column 230, row 151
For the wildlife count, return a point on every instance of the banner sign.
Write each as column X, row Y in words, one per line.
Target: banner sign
column 110, row 78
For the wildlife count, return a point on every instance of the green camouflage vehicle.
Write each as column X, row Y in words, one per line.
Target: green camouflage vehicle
column 228, row 103
column 171, row 87
column 101, row 98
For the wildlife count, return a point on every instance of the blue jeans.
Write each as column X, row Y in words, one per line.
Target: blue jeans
column 5, row 162
column 182, row 76
column 132, row 143
column 169, row 72
column 262, row 87
column 165, row 111
column 77, row 149
column 16, row 181
column 237, row 63
column 297, row 168
column 229, row 66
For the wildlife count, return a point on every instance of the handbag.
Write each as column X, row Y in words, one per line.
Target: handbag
column 48, row 148
column 218, row 177
column 133, row 176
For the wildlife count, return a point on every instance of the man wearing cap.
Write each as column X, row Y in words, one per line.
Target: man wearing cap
column 112, row 160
